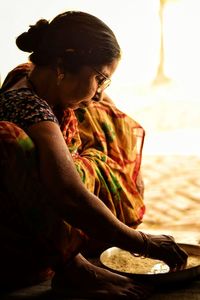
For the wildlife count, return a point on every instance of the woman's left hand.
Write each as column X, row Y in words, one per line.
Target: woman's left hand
column 164, row 247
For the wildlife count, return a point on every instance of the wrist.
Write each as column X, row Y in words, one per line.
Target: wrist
column 144, row 242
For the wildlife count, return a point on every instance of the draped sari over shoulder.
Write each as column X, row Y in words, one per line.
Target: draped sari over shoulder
column 106, row 147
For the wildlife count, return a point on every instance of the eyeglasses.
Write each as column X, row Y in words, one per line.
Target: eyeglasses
column 103, row 81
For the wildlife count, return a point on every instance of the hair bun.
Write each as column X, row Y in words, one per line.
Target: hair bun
column 29, row 41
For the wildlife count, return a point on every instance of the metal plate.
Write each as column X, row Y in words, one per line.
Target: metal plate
column 160, row 278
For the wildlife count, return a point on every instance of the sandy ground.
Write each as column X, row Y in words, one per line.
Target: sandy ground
column 172, row 195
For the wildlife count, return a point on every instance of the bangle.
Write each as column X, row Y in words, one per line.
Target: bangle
column 146, row 246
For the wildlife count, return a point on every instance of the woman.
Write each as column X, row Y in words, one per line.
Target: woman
column 47, row 213
column 106, row 147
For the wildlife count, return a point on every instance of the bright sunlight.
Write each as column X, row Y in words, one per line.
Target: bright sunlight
column 157, row 81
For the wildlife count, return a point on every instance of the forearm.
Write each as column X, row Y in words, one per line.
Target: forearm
column 84, row 210
column 70, row 198
column 92, row 216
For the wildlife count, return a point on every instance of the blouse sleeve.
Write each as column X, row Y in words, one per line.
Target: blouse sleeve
column 24, row 108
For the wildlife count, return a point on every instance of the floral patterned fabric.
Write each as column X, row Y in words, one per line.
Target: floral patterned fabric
column 24, row 108
column 106, row 146
column 106, row 149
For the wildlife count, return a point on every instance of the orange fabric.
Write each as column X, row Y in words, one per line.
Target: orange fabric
column 106, row 145
column 107, row 151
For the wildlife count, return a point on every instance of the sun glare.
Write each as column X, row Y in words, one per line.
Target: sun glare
column 182, row 42
column 137, row 26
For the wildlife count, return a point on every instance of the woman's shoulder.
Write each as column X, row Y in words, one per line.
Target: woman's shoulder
column 22, row 97
column 24, row 107
column 16, row 75
column 12, row 93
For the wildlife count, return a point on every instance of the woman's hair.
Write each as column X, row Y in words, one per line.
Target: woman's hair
column 72, row 39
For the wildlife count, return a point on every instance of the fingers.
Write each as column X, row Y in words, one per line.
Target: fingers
column 181, row 261
column 165, row 248
column 175, row 256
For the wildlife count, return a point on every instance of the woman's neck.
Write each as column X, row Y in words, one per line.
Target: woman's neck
column 42, row 81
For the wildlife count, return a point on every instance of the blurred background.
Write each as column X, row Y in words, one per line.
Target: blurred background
column 157, row 83
column 158, row 79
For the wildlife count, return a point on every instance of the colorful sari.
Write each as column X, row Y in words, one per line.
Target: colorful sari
column 106, row 146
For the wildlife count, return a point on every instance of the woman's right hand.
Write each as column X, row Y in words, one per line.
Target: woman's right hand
column 164, row 247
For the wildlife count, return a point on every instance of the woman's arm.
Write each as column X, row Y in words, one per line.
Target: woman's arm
column 72, row 200
column 82, row 209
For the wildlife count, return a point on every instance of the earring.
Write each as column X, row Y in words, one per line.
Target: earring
column 60, row 78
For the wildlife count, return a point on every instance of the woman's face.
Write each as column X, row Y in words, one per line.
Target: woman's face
column 79, row 90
